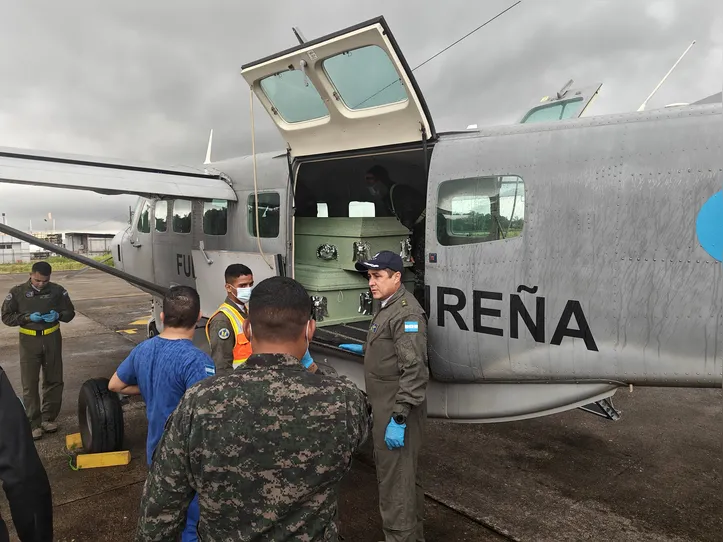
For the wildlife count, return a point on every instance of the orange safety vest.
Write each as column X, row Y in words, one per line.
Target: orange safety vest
column 242, row 348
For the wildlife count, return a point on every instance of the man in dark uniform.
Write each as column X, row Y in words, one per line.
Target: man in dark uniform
column 224, row 331
column 265, row 447
column 396, row 373
column 23, row 476
column 409, row 207
column 37, row 307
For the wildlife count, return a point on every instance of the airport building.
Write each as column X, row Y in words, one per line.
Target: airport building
column 13, row 251
column 90, row 244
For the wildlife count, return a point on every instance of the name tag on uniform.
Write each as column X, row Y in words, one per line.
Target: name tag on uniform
column 411, row 327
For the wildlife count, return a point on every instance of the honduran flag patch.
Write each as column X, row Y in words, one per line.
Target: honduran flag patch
column 411, row 327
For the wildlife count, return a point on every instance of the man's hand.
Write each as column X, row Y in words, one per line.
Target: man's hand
column 356, row 348
column 36, row 317
column 51, row 317
column 394, row 435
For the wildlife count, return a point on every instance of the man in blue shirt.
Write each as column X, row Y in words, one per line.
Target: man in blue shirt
column 161, row 369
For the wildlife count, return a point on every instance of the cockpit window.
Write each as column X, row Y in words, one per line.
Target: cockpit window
column 293, row 96
column 556, row 111
column 365, row 78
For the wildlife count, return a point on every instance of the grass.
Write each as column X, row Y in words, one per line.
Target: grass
column 59, row 263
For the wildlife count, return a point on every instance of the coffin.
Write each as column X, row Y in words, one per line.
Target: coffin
column 337, row 243
column 340, row 296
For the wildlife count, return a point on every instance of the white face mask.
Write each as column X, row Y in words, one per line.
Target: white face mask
column 244, row 294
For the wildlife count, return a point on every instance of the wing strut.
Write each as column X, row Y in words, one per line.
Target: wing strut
column 135, row 281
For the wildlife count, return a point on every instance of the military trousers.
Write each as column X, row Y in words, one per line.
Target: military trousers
column 401, row 495
column 42, row 354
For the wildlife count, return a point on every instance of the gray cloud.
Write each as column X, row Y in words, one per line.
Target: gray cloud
column 148, row 81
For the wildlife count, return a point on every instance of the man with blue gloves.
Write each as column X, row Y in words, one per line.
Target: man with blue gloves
column 37, row 307
column 396, row 374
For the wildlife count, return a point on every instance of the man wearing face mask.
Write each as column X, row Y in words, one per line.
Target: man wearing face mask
column 224, row 330
column 409, row 207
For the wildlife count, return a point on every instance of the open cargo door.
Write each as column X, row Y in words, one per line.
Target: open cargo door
column 567, row 103
column 349, row 90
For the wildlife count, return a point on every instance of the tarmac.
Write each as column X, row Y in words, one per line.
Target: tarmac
column 654, row 475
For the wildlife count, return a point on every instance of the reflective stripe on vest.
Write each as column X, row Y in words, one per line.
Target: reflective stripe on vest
column 242, row 348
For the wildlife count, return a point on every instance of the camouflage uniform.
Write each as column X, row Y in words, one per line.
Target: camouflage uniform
column 41, row 345
column 265, row 448
column 396, row 374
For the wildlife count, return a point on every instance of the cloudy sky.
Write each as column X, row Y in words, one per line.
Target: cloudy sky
column 148, row 80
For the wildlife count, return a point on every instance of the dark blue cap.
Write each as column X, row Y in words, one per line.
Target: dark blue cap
column 386, row 259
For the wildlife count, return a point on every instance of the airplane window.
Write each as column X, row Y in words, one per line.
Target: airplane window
column 361, row 208
column 558, row 111
column 161, row 215
column 269, row 213
column 294, row 98
column 215, row 216
column 144, row 219
column 322, row 210
column 182, row 216
column 365, row 77
column 479, row 210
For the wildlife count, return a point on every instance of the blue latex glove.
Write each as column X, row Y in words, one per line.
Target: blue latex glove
column 356, row 348
column 36, row 317
column 51, row 317
column 394, row 435
column 307, row 360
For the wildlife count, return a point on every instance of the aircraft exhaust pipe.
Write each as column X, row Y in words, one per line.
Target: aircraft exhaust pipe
column 135, row 281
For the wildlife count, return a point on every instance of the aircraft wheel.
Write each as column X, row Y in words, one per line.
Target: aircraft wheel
column 100, row 417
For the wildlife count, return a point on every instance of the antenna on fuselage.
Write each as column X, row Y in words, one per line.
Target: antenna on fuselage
column 299, row 36
column 208, row 149
column 642, row 106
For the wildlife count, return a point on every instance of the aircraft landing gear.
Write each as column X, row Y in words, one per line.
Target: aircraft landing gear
column 100, row 417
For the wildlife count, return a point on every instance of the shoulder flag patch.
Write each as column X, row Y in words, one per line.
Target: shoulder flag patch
column 210, row 370
column 224, row 333
column 411, row 327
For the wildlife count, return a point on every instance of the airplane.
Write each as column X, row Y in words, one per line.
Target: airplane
column 566, row 257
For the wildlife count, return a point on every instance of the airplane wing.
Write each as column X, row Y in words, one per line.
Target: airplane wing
column 108, row 176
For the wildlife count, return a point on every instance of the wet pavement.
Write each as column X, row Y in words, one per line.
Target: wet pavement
column 655, row 475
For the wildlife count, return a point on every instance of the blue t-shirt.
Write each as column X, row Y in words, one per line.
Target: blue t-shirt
column 163, row 369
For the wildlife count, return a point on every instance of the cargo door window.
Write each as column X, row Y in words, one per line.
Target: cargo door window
column 365, row 78
column 361, row 209
column 481, row 209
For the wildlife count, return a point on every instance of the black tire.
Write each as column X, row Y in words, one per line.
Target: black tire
column 100, row 417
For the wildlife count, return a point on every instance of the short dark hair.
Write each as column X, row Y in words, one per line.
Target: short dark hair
column 380, row 173
column 235, row 270
column 42, row 268
column 279, row 308
column 181, row 306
